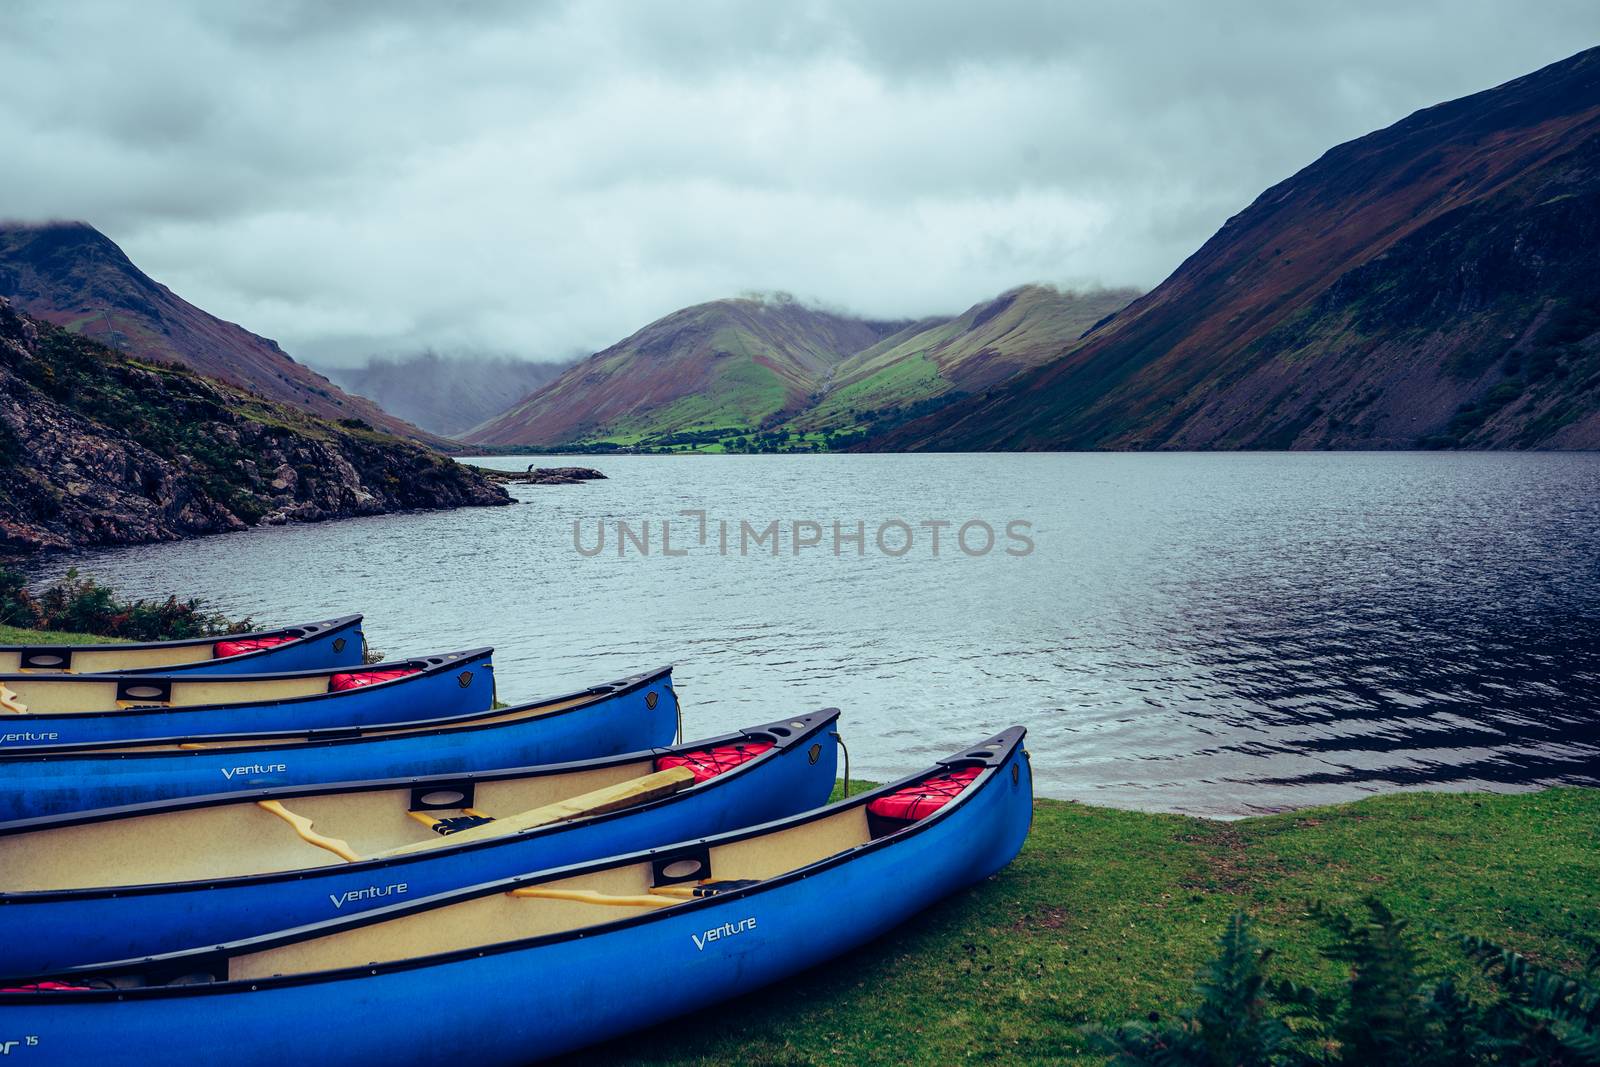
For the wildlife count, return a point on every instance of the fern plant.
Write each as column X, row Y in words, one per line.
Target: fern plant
column 1544, row 1018
column 1388, row 1013
column 1231, row 1026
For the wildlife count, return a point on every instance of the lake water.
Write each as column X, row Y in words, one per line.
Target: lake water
column 1216, row 634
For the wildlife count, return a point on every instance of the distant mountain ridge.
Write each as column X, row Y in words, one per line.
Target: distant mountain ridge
column 71, row 274
column 726, row 363
column 729, row 368
column 446, row 395
column 1433, row 284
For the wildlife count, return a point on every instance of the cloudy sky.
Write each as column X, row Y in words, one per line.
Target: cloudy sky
column 542, row 178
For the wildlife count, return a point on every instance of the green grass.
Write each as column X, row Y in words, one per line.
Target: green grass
column 1107, row 915
column 17, row 635
column 911, row 378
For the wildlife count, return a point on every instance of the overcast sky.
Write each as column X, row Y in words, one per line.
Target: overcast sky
column 538, row 178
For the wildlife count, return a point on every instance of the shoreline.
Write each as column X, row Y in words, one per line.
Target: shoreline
column 1107, row 914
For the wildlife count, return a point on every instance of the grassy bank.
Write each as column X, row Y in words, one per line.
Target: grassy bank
column 16, row 635
column 1107, row 914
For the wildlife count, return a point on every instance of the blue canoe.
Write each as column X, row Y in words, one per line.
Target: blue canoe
column 634, row 713
column 528, row 968
column 163, row 878
column 308, row 647
column 54, row 711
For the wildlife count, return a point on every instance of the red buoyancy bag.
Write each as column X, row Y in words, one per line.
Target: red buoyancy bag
column 225, row 649
column 926, row 797
column 46, row 987
column 340, row 682
column 708, row 763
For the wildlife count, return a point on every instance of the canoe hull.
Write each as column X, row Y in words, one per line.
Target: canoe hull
column 316, row 645
column 498, row 1008
column 343, row 645
column 635, row 716
column 463, row 685
column 43, row 932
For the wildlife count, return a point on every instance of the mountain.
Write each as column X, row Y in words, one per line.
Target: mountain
column 98, row 447
column 1433, row 284
column 732, row 367
column 71, row 274
column 725, row 365
column 446, row 395
column 984, row 345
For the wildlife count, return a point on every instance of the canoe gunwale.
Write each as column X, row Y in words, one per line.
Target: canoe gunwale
column 323, row 738
column 429, row 666
column 816, row 723
column 312, row 629
column 991, row 755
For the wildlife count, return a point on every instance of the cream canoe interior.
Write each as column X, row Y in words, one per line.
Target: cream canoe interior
column 560, row 906
column 96, row 658
column 249, row 837
column 45, row 694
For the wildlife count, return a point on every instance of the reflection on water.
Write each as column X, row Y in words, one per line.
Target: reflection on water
column 1206, row 633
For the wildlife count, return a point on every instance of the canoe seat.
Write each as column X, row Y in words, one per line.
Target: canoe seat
column 626, row 794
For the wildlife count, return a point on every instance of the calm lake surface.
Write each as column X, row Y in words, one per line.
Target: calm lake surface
column 1216, row 634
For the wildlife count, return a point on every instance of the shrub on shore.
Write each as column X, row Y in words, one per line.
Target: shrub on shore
column 1389, row 1011
column 83, row 605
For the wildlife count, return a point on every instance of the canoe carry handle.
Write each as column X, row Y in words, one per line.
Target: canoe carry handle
column 137, row 691
column 444, row 796
column 688, row 865
column 302, row 826
column 10, row 703
column 45, row 659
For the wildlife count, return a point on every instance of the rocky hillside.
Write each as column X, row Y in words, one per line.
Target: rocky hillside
column 97, row 447
column 729, row 364
column 71, row 274
column 1433, row 284
column 446, row 395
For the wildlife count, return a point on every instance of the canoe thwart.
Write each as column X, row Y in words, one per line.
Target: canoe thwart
column 302, row 826
column 703, row 889
column 626, row 794
column 10, row 703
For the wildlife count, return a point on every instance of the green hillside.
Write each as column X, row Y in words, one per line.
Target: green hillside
column 774, row 374
column 988, row 343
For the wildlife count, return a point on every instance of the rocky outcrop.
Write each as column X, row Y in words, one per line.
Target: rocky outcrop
column 97, row 449
column 544, row 475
